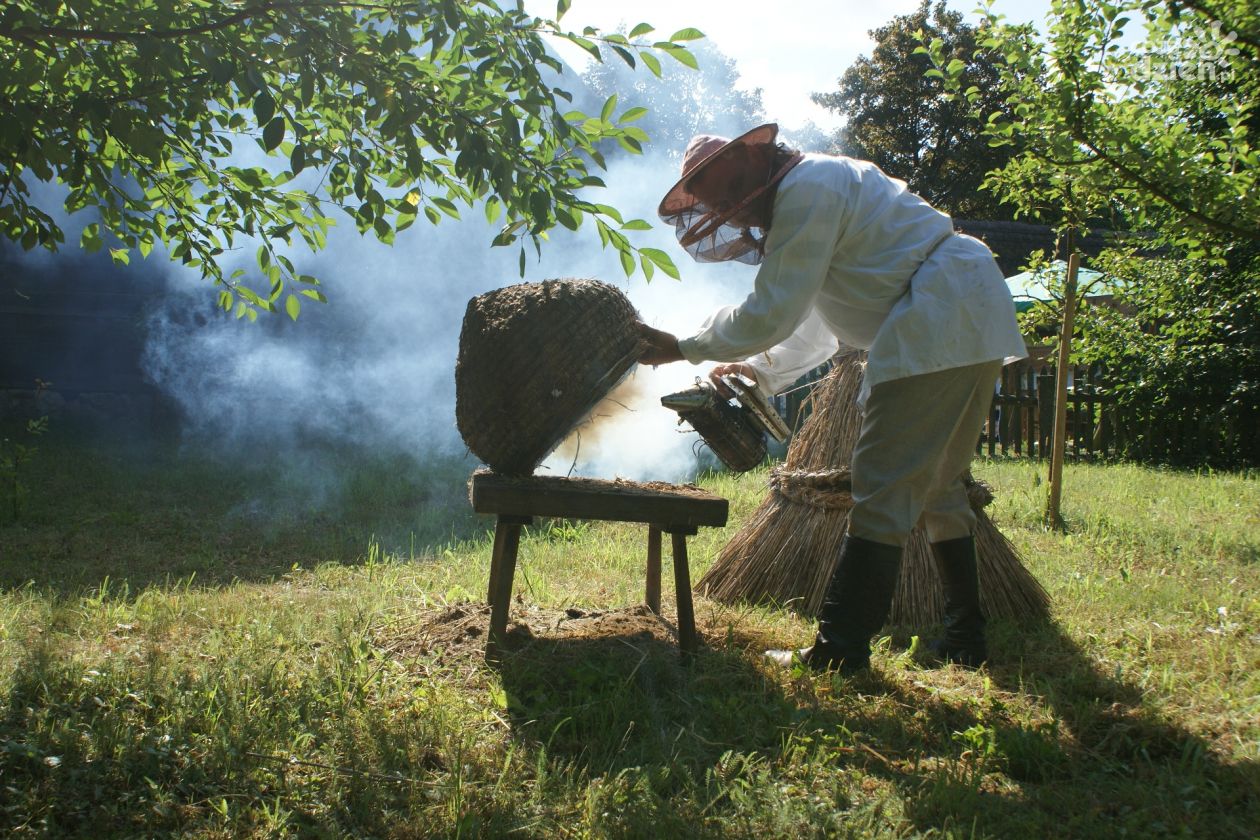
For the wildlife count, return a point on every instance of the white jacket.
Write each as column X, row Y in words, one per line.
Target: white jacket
column 853, row 257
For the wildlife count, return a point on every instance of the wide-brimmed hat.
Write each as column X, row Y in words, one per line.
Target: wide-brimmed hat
column 701, row 151
column 708, row 233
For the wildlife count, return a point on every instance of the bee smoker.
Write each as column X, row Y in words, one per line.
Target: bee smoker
column 734, row 429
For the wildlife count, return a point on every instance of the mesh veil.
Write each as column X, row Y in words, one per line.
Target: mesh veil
column 704, row 234
column 707, row 233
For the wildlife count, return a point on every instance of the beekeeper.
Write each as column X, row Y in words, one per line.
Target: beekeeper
column 846, row 255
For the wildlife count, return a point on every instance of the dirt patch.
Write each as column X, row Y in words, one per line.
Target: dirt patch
column 458, row 633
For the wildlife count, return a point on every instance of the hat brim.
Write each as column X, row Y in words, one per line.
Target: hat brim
column 678, row 199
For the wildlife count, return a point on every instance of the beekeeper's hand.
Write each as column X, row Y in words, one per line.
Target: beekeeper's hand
column 732, row 369
column 661, row 347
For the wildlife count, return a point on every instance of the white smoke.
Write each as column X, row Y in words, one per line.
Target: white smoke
column 375, row 366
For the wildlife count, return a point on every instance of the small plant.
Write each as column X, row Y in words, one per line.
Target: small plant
column 15, row 454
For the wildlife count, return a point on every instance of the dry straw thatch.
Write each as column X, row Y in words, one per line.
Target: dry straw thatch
column 787, row 550
column 534, row 359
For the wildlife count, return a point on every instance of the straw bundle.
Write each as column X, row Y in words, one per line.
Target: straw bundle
column 787, row 550
column 534, row 359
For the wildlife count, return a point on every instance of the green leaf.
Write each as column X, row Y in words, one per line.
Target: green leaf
column 626, row 55
column 273, row 133
column 688, row 34
column 446, row 207
column 297, row 158
column 570, row 220
column 627, row 262
column 562, row 6
column 90, row 238
column 633, row 114
column 609, row 211
column 652, row 63
column 120, row 256
column 648, row 268
column 494, row 208
column 292, row 306
column 636, row 224
column 609, row 106
column 683, row 56
column 642, row 29
column 662, row 260
column 587, row 45
column 264, row 107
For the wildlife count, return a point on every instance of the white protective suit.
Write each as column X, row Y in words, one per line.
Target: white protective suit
column 854, row 257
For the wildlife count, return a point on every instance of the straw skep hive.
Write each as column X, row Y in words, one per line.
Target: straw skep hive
column 788, row 548
column 534, row 359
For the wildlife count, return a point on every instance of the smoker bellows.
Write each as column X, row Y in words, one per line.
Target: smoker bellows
column 534, row 359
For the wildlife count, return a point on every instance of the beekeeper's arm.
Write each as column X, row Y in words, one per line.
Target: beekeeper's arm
column 812, row 344
column 807, row 220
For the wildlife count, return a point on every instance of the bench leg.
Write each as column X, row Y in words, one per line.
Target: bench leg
column 682, row 591
column 654, row 570
column 507, row 539
column 500, row 534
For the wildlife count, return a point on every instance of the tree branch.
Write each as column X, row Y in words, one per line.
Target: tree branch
column 32, row 35
column 1156, row 190
column 1208, row 12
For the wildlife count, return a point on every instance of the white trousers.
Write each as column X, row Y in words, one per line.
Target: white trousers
column 917, row 440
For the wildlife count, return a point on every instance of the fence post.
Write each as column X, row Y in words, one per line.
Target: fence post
column 1045, row 412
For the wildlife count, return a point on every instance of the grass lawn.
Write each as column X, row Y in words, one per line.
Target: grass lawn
column 209, row 649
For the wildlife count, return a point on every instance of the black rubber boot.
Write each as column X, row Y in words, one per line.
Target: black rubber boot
column 857, row 603
column 963, row 641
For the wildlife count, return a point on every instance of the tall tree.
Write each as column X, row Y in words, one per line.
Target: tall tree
column 903, row 119
column 1165, row 129
column 199, row 125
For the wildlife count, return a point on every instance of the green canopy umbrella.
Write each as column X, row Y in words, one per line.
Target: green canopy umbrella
column 1029, row 287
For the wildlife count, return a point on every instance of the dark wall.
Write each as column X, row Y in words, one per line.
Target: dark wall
column 76, row 322
column 1013, row 243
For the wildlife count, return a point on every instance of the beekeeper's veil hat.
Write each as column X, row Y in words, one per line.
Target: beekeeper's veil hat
column 710, row 234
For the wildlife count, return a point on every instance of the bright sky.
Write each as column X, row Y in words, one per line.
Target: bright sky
column 790, row 49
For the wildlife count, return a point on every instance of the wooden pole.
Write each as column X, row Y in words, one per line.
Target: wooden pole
column 1057, row 443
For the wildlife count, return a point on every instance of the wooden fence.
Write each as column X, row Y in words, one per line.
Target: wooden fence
column 1021, row 419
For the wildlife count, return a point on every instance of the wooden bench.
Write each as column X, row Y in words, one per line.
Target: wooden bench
column 673, row 509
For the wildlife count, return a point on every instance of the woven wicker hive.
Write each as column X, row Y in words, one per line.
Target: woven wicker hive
column 534, row 359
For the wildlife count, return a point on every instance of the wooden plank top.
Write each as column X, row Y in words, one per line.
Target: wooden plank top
column 655, row 503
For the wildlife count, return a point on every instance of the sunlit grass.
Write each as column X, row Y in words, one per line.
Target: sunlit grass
column 174, row 667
